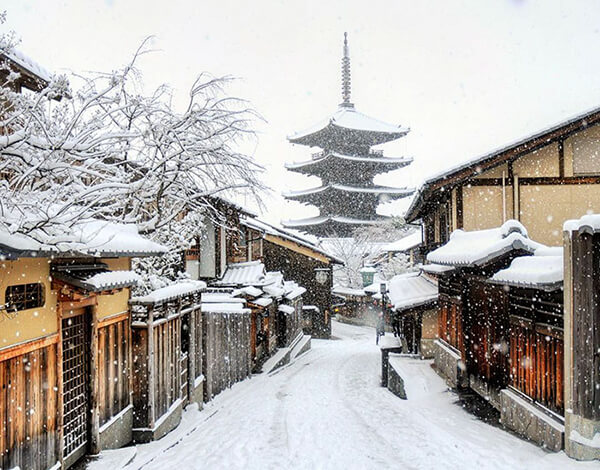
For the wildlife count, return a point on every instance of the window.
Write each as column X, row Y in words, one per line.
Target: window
column 24, row 296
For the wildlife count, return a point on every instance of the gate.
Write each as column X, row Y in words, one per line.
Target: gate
column 75, row 340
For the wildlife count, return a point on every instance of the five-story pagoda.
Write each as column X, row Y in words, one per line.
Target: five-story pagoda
column 348, row 197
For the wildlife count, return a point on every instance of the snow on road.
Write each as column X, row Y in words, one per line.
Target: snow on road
column 327, row 410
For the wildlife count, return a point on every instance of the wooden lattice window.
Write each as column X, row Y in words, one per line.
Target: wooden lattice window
column 24, row 296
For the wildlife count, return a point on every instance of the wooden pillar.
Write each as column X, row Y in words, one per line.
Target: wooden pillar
column 151, row 371
column 60, row 442
column 582, row 337
column 94, row 385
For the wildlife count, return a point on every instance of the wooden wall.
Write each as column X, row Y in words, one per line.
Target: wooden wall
column 29, row 401
column 301, row 268
column 114, row 338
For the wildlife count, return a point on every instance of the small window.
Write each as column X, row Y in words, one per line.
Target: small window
column 24, row 296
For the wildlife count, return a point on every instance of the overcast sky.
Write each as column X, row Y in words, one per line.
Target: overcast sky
column 465, row 76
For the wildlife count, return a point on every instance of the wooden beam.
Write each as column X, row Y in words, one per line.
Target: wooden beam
column 94, row 386
column 561, row 158
column 23, row 348
column 303, row 250
column 113, row 319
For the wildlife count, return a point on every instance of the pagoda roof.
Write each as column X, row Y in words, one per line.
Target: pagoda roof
column 321, row 161
column 376, row 190
column 330, row 224
column 346, row 120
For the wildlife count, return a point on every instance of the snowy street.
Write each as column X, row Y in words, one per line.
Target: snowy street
column 327, row 410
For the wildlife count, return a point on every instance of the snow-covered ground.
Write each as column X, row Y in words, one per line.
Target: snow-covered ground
column 327, row 410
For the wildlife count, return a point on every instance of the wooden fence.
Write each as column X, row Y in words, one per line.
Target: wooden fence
column 167, row 350
column 226, row 350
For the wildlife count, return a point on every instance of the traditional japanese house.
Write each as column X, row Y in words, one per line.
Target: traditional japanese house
column 533, row 402
column 472, row 348
column 540, row 180
column 167, row 357
column 65, row 343
column 413, row 298
column 305, row 262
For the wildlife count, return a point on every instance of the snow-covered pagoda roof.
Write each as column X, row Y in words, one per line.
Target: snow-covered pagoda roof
column 411, row 290
column 328, row 224
column 91, row 237
column 331, row 189
column 347, row 121
column 476, row 248
column 543, row 270
column 324, row 161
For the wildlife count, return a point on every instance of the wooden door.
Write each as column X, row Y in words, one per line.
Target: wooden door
column 76, row 404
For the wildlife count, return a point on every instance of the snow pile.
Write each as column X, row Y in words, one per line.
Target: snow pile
column 171, row 292
column 223, row 301
column 113, row 278
column 478, row 247
column 411, row 290
column 544, row 269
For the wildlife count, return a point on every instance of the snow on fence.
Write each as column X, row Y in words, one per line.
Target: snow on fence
column 167, row 349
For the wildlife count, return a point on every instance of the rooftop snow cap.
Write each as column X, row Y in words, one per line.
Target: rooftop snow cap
column 479, row 247
column 411, row 290
column 589, row 223
column 543, row 270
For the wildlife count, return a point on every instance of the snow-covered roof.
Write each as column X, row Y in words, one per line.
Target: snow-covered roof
column 221, row 297
column 110, row 279
column 478, row 247
column 224, row 308
column 411, row 290
column 322, row 219
column 91, row 237
column 293, row 290
column 286, row 309
column 272, row 230
column 339, row 290
column 350, row 119
column 250, row 291
column 263, row 301
column 351, row 189
column 543, row 270
column 433, row 268
column 396, row 162
column 173, row 291
column 527, row 142
column 588, row 223
column 27, row 63
column 405, row 243
column 243, row 274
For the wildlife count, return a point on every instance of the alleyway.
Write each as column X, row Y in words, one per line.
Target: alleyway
column 327, row 410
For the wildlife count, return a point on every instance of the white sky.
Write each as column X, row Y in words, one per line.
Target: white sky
column 465, row 76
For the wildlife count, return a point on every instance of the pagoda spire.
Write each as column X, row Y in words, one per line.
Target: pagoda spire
column 346, row 75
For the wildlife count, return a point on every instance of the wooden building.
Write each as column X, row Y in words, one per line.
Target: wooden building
column 533, row 402
column 65, row 344
column 304, row 262
column 472, row 315
column 413, row 298
column 541, row 180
